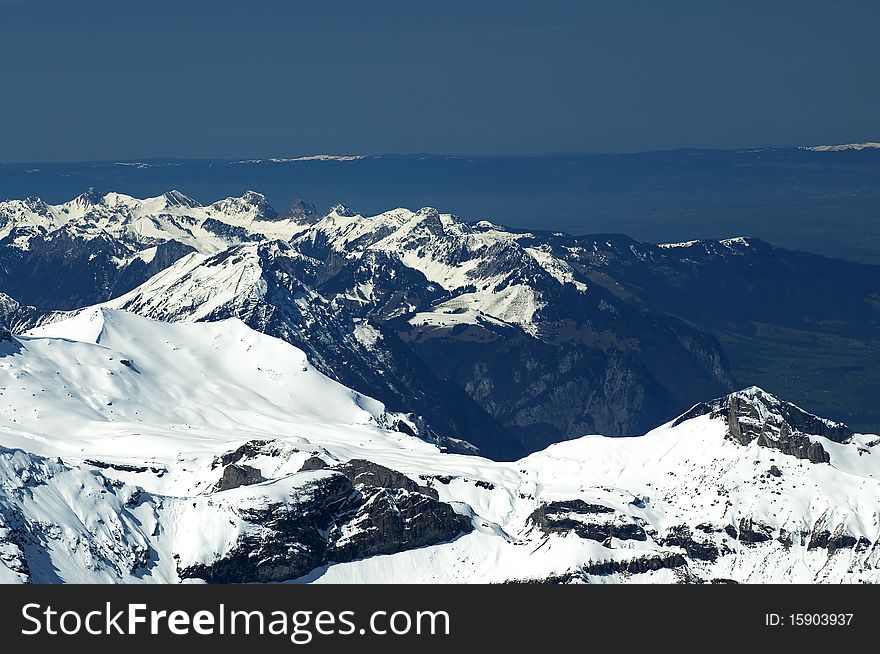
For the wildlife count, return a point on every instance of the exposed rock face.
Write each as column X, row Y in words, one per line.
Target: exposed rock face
column 12, row 547
column 361, row 472
column 751, row 531
column 313, row 463
column 835, row 541
column 8, row 344
column 332, row 519
column 544, row 392
column 634, row 566
column 137, row 271
column 302, row 210
column 701, row 549
column 639, row 565
column 290, row 540
column 66, row 271
column 592, row 521
column 255, row 448
column 235, row 475
column 753, row 415
column 10, row 312
column 391, row 520
column 394, row 289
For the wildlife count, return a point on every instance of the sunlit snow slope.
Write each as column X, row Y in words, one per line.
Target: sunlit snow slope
column 136, row 450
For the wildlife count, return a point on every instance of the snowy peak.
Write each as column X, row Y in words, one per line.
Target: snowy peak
column 117, row 367
column 175, row 198
column 88, row 198
column 13, row 210
column 231, row 282
column 251, row 203
column 754, row 415
column 724, row 246
column 144, row 223
column 342, row 211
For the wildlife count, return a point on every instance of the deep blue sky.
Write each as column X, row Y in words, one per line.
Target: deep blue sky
column 98, row 79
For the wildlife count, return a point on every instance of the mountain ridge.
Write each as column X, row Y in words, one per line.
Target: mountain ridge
column 613, row 359
column 442, row 284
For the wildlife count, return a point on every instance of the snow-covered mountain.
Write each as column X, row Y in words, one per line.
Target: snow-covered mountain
column 489, row 334
column 170, row 216
column 843, row 147
column 536, row 343
column 222, row 393
column 145, row 451
column 98, row 246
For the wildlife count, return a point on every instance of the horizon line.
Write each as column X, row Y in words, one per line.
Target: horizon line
column 326, row 157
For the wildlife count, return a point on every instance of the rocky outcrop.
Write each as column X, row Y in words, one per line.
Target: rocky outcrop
column 332, row 519
column 8, row 343
column 392, row 520
column 752, row 532
column 361, row 472
column 701, row 550
column 838, row 539
column 290, row 539
column 302, row 211
column 591, row 521
column 12, row 547
column 255, row 448
column 235, row 475
column 753, row 415
column 639, row 565
column 626, row 567
column 313, row 463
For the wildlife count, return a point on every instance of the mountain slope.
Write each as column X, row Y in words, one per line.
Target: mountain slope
column 261, row 284
column 525, row 338
column 109, row 393
column 135, row 450
column 100, row 246
column 515, row 327
column 795, row 323
column 391, row 305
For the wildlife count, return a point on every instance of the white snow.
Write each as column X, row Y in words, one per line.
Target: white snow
column 843, row 147
column 111, row 423
column 117, row 388
column 682, row 244
column 170, row 216
column 560, row 269
column 311, row 157
column 366, row 334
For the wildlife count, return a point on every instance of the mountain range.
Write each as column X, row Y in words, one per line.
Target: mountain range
column 819, row 199
column 228, row 393
column 505, row 338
